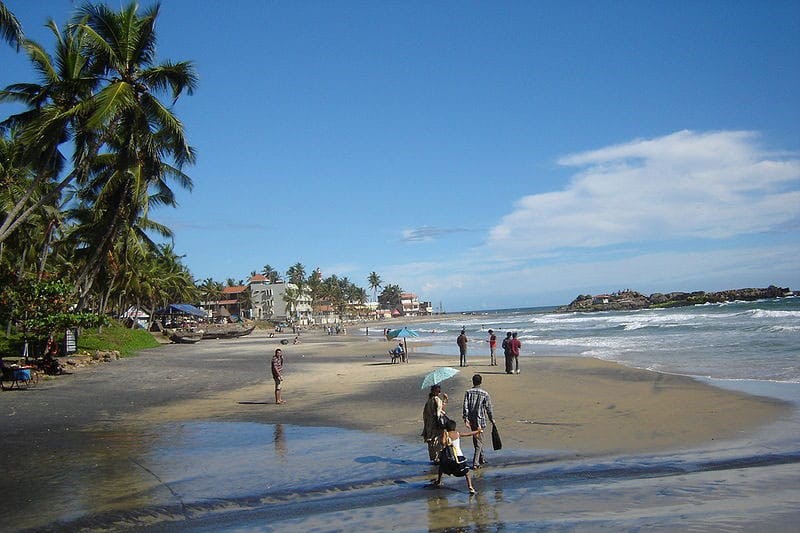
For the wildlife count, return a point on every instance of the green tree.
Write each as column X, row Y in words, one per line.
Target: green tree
column 375, row 282
column 145, row 140
column 270, row 273
column 291, row 296
column 315, row 284
column 297, row 275
column 390, row 297
column 210, row 290
column 53, row 117
column 40, row 309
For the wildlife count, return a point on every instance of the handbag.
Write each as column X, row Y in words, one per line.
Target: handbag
column 497, row 444
column 451, row 464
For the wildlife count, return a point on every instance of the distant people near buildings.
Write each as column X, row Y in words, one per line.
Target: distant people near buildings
column 462, row 347
column 277, row 374
column 432, row 415
column 454, row 464
column 477, row 412
column 516, row 345
column 492, row 348
column 507, row 353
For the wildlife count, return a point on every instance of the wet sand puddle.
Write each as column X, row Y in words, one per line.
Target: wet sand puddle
column 212, row 476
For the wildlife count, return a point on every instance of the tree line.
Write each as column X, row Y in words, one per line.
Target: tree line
column 340, row 293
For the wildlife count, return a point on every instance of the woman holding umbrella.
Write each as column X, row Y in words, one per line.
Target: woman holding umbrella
column 432, row 415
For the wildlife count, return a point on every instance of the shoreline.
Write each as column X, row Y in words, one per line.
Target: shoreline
column 180, row 426
column 570, row 404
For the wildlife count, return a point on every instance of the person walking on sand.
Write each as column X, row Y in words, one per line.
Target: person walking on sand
column 277, row 374
column 492, row 348
column 462, row 347
column 432, row 415
column 515, row 346
column 477, row 410
column 507, row 352
column 455, row 464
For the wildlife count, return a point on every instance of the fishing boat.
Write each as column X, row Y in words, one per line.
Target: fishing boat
column 186, row 337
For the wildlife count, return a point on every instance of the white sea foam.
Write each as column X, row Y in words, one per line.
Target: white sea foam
column 763, row 313
column 745, row 340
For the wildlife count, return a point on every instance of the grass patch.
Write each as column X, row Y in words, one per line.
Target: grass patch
column 117, row 337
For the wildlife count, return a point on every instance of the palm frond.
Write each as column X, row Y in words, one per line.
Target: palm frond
column 10, row 28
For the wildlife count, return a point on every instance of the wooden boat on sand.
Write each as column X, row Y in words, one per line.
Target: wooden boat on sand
column 186, row 337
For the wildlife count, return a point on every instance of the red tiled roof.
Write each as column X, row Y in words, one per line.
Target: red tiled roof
column 258, row 277
column 234, row 290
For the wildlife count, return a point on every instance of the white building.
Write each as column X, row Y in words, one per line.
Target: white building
column 410, row 304
column 267, row 301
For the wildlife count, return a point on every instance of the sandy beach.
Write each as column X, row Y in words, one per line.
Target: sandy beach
column 117, row 445
column 556, row 403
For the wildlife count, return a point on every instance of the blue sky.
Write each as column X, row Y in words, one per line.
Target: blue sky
column 486, row 154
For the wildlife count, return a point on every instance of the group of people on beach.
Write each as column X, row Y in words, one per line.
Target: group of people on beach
column 443, row 438
column 511, row 348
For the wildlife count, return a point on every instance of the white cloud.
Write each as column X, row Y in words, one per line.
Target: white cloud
column 697, row 185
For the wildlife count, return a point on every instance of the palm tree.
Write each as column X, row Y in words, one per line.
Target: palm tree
column 270, row 273
column 391, row 298
column 297, row 275
column 210, row 290
column 291, row 296
column 144, row 139
column 53, row 117
column 375, row 282
column 10, row 28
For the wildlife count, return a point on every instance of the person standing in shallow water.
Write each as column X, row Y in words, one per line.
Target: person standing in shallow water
column 277, row 374
column 431, row 419
column 477, row 410
column 462, row 347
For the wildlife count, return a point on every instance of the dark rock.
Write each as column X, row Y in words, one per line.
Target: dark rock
column 631, row 300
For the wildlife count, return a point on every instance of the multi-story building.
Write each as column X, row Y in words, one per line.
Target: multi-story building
column 232, row 303
column 268, row 302
column 410, row 303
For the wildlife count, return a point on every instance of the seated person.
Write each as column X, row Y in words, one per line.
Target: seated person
column 398, row 352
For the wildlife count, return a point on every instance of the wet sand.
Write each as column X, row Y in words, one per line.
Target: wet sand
column 186, row 431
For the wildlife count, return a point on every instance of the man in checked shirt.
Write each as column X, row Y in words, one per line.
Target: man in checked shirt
column 477, row 409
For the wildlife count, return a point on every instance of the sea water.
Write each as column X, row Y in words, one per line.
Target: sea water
column 731, row 341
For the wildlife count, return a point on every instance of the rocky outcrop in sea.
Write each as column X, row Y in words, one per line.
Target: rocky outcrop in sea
column 628, row 299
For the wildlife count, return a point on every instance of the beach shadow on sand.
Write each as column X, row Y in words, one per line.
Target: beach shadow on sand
column 256, row 403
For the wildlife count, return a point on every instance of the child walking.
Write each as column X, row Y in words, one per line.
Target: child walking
column 451, row 460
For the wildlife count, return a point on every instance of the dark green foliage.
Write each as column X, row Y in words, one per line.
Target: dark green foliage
column 38, row 309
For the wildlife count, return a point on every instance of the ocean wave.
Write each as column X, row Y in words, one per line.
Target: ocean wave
column 781, row 329
column 765, row 313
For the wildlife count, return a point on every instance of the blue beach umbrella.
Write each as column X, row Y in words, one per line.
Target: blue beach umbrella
column 402, row 333
column 437, row 376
